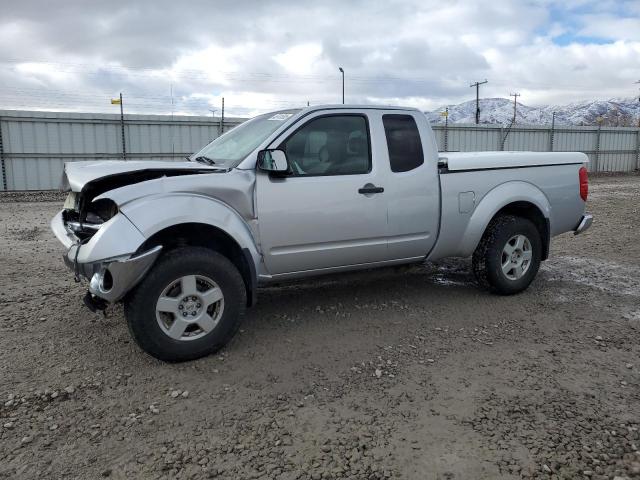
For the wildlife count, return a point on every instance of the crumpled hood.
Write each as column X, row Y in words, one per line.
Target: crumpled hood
column 78, row 174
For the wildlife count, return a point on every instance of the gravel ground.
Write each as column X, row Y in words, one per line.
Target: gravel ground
column 397, row 373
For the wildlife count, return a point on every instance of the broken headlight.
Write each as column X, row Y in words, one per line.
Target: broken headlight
column 100, row 211
column 86, row 223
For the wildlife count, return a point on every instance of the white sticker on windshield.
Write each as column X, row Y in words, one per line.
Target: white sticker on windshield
column 281, row 116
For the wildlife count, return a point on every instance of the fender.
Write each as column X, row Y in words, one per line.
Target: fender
column 117, row 237
column 181, row 207
column 496, row 199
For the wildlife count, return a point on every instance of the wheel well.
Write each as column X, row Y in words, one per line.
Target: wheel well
column 531, row 212
column 207, row 236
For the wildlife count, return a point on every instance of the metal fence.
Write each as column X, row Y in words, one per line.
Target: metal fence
column 610, row 149
column 35, row 145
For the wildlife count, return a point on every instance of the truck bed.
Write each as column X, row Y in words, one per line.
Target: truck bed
column 461, row 161
column 474, row 185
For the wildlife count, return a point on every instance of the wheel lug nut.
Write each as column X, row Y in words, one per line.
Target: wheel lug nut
column 194, row 298
column 193, row 314
column 184, row 314
column 180, row 307
column 198, row 305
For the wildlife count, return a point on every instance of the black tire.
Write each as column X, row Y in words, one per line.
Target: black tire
column 488, row 256
column 140, row 305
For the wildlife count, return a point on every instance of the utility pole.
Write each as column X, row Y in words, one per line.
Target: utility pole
column 552, row 132
column 638, row 137
column 4, row 167
column 638, row 83
column 477, row 85
column 222, row 118
column 118, row 101
column 515, row 104
column 446, row 129
column 124, row 142
column 173, row 144
column 213, row 117
column 599, row 120
column 342, row 72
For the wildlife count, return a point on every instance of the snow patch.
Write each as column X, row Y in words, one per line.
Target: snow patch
column 615, row 112
column 603, row 275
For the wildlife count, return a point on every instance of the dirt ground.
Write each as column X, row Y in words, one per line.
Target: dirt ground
column 406, row 373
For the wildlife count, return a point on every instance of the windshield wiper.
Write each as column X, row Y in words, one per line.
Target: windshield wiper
column 203, row 159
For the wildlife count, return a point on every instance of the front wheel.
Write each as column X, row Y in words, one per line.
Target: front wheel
column 508, row 257
column 189, row 305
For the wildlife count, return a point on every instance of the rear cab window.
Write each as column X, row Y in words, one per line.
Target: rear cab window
column 403, row 142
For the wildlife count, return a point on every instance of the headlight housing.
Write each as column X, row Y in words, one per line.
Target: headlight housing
column 100, row 211
column 85, row 221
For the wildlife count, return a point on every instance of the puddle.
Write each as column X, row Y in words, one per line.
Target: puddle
column 442, row 280
column 605, row 276
column 450, row 272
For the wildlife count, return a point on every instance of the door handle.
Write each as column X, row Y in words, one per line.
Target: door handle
column 370, row 188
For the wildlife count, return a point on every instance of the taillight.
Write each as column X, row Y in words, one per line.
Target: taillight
column 584, row 183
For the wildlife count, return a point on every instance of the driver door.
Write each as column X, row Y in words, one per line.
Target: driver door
column 330, row 211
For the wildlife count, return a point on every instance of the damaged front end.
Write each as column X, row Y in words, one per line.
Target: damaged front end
column 102, row 244
column 85, row 220
column 102, row 247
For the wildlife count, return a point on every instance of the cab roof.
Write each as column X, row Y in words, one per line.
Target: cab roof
column 340, row 106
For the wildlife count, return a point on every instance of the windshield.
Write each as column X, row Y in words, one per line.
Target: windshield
column 232, row 147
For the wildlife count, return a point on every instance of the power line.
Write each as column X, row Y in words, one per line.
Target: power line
column 101, row 105
column 130, row 69
column 228, row 76
column 248, row 77
column 196, row 99
column 102, row 70
column 56, row 95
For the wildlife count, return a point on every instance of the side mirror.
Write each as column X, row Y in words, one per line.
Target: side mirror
column 273, row 161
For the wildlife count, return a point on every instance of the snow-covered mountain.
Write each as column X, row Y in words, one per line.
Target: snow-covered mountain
column 616, row 112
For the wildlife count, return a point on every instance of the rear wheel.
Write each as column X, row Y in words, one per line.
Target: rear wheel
column 508, row 257
column 189, row 305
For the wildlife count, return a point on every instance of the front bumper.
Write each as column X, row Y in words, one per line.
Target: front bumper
column 114, row 279
column 104, row 260
column 585, row 223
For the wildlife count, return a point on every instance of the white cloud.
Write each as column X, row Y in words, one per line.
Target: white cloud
column 274, row 54
column 611, row 27
column 300, row 59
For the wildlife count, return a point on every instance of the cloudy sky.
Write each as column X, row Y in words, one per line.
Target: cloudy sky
column 266, row 55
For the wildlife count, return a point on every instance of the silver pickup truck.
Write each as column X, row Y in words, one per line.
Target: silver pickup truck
column 289, row 194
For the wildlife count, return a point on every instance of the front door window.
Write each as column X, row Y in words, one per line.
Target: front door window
column 330, row 145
